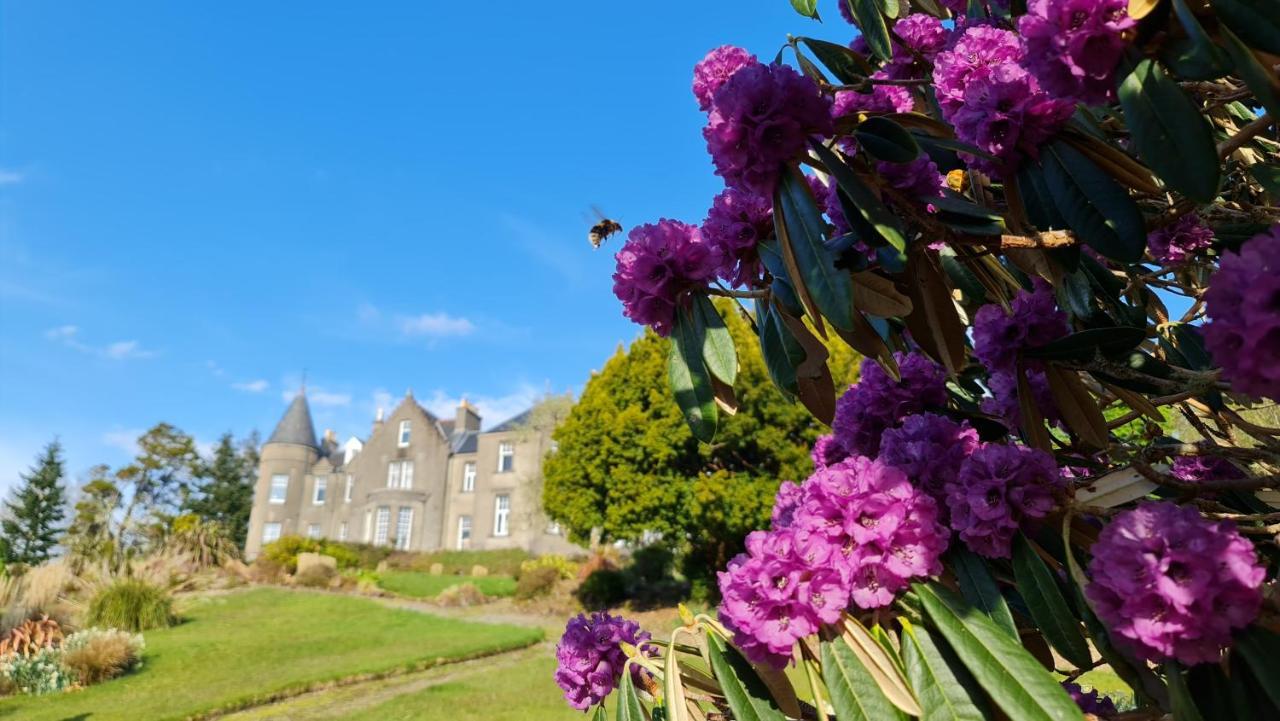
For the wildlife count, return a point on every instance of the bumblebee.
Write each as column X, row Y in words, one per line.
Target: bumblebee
column 601, row 231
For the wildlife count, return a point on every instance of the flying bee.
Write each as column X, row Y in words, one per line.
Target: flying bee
column 601, row 231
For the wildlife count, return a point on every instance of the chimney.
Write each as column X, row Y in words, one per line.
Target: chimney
column 468, row 418
column 330, row 436
column 377, row 420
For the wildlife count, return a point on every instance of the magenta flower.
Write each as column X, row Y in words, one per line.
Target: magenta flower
column 1181, row 240
column 881, row 99
column 923, row 37
column 1073, row 46
column 785, row 504
column 1170, row 583
column 1204, row 468
column 772, row 596
column 760, row 120
column 1090, row 701
column 1003, row 402
column 1034, row 320
column 976, row 53
column 715, row 69
column 657, row 266
column 827, row 451
column 1000, row 487
column 1244, row 312
column 736, row 222
column 930, row 449
column 918, row 178
column 590, row 657
column 877, row 403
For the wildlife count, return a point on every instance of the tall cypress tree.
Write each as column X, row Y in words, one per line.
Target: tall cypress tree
column 34, row 512
column 225, row 493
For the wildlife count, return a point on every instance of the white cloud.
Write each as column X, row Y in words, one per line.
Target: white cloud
column 69, row 336
column 435, row 325
column 10, row 177
column 254, row 386
column 494, row 409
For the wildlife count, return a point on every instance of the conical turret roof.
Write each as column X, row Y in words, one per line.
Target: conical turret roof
column 296, row 425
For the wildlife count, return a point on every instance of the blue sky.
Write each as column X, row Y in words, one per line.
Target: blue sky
column 201, row 201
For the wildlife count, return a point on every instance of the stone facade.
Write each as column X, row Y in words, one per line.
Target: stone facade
column 418, row 483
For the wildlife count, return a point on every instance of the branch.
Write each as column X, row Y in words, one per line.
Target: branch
column 1047, row 239
column 861, row 87
column 1232, row 484
column 1244, row 135
column 727, row 293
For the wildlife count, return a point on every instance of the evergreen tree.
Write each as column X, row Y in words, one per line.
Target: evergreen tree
column 33, row 514
column 225, row 492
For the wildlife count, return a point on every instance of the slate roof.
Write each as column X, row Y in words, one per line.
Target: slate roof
column 512, row 424
column 296, row 427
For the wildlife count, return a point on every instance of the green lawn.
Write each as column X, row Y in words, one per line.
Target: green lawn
column 424, row 585
column 233, row 649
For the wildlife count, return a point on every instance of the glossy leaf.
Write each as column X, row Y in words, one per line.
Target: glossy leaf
column 1184, row 706
column 877, row 295
column 1263, row 82
column 690, row 380
column 673, row 698
column 886, row 140
column 1078, row 408
column 881, row 664
column 1195, row 57
column 779, row 349
column 600, row 714
column 807, row 8
column 1094, row 206
column 629, row 708
column 980, row 588
column 717, row 345
column 1047, row 605
column 1014, row 680
column 945, row 689
column 1260, row 649
column 933, row 321
column 829, row 287
column 874, row 29
column 748, row 697
column 1084, row 345
column 1162, row 117
column 869, row 207
column 848, row 67
column 1256, row 22
column 854, row 693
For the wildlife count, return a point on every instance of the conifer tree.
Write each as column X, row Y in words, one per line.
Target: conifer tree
column 225, row 492
column 33, row 514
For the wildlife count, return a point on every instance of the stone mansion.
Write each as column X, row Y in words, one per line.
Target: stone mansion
column 417, row 483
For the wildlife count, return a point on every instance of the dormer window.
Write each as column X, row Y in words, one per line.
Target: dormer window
column 506, row 457
column 403, row 438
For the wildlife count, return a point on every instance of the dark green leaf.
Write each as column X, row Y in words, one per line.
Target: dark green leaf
column 1161, row 117
column 1194, row 57
column 953, row 145
column 829, row 286
column 854, row 693
column 848, row 66
column 980, row 589
column 717, row 345
column 747, row 695
column 1260, row 649
column 1014, row 680
column 1254, row 74
column 960, row 213
column 690, row 381
column 945, row 690
column 871, row 22
column 781, row 351
column 886, row 140
column 1085, row 344
column 629, row 708
column 600, row 714
column 1047, row 605
column 1036, row 198
column 1075, row 294
column 962, row 278
column 869, row 207
column 1184, row 707
column 807, row 8
column 1096, row 207
column 1268, row 176
column 1256, row 22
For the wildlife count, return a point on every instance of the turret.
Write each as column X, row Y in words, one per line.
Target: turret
column 286, row 458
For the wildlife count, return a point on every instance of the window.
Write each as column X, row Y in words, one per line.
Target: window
column 501, row 514
column 368, row 526
column 400, row 474
column 468, row 477
column 404, row 434
column 404, row 522
column 270, row 532
column 279, row 488
column 346, row 495
column 464, row 532
column 506, row 456
column 342, row 531
column 381, row 527
column 313, row 530
column 322, row 489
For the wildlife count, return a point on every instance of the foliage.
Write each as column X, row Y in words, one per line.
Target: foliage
column 31, row 517
column 602, row 589
column 536, row 581
column 417, row 584
column 30, row 637
column 224, row 493
column 38, row 674
column 95, row 655
column 207, row 543
column 564, row 568
column 131, row 605
column 502, row 562
column 628, row 466
column 285, row 550
column 317, row 576
column 1041, row 223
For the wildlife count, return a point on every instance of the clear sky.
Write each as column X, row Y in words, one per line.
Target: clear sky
column 201, row 201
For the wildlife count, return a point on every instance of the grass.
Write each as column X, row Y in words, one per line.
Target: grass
column 424, row 585
column 234, row 650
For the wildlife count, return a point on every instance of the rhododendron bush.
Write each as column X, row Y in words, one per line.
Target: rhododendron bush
column 1040, row 223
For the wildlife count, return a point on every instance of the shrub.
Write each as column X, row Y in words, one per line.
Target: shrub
column 316, row 577
column 266, row 570
column 464, row 594
column 603, row 589
column 285, row 551
column 132, row 605
column 30, row 637
column 505, row 562
column 537, row 581
column 96, row 655
column 563, row 567
column 206, row 543
column 39, row 673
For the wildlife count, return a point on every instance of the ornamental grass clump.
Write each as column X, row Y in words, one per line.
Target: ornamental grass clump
column 95, row 655
column 131, row 605
column 1050, row 229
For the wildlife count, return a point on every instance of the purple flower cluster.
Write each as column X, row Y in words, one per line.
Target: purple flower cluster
column 1034, row 320
column 590, row 657
column 656, row 266
column 715, row 69
column 993, row 102
column 1170, row 583
column 1090, row 701
column 930, row 449
column 877, row 402
column 1073, row 46
column 772, row 596
column 1003, row 403
column 1193, row 469
column 760, row 119
column 737, row 221
column 918, row 178
column 1179, row 241
column 827, row 451
column 881, row 99
column 1244, row 311
column 923, row 37
column 998, row 488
